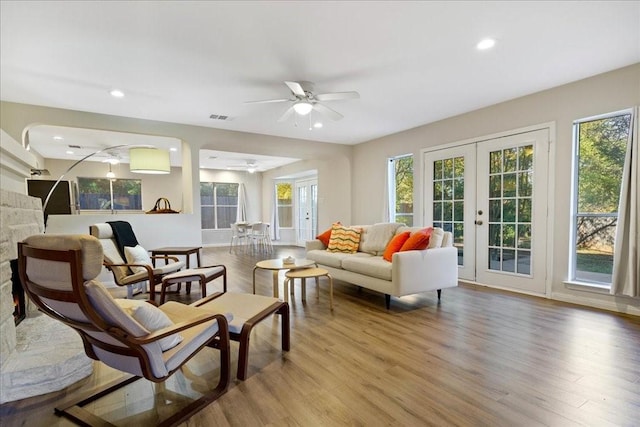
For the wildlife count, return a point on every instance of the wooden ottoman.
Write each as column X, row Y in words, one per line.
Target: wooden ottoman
column 201, row 274
column 247, row 310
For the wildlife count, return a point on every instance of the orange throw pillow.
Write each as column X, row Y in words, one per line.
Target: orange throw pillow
column 395, row 244
column 418, row 240
column 324, row 237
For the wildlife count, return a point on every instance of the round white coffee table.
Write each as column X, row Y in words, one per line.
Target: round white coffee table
column 276, row 265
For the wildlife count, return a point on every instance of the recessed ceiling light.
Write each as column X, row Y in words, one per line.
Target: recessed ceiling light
column 57, row 138
column 317, row 125
column 69, row 152
column 117, row 93
column 173, row 149
column 486, row 44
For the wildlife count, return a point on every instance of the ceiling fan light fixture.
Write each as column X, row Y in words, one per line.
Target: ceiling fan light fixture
column 303, row 107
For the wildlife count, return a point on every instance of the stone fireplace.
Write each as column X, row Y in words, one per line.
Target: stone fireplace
column 40, row 355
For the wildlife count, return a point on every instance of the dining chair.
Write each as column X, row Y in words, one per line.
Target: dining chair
column 260, row 240
column 238, row 234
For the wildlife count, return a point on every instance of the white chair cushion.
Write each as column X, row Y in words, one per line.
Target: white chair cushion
column 46, row 271
column 152, row 318
column 239, row 307
column 192, row 274
column 106, row 306
column 137, row 255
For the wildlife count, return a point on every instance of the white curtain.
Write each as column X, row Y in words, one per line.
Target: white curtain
column 626, row 259
column 387, row 216
column 241, row 213
column 275, row 230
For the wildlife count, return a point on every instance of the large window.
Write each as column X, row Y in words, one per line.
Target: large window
column 401, row 189
column 109, row 194
column 218, row 204
column 600, row 144
column 285, row 204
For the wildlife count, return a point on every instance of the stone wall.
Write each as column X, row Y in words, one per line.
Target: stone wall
column 20, row 216
column 41, row 355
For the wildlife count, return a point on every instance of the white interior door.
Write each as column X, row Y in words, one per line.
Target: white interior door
column 493, row 196
column 306, row 210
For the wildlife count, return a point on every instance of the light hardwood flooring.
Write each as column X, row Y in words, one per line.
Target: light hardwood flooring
column 479, row 357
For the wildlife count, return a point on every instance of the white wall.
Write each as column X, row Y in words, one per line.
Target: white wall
column 15, row 164
column 605, row 93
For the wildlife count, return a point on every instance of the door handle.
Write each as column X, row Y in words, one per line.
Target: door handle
column 478, row 222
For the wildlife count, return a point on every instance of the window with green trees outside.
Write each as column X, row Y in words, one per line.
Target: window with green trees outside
column 600, row 145
column 401, row 189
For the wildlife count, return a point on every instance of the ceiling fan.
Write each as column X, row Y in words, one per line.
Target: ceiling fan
column 304, row 100
column 250, row 166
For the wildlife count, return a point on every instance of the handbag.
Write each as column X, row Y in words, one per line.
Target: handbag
column 162, row 206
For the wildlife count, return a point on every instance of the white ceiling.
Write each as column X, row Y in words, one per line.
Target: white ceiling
column 412, row 62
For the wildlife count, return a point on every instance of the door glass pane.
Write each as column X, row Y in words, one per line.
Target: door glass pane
column 525, row 183
column 510, row 159
column 314, row 208
column 437, row 170
column 448, row 185
column 495, row 185
column 510, row 209
column 509, row 185
column 302, row 212
column 495, row 162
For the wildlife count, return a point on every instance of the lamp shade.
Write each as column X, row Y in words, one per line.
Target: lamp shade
column 149, row 160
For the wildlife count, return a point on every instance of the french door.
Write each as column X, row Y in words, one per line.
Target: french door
column 492, row 195
column 306, row 210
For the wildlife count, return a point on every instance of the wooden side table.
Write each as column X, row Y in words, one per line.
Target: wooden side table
column 276, row 265
column 187, row 251
column 304, row 274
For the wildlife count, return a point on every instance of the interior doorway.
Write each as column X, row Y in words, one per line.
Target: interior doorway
column 306, row 212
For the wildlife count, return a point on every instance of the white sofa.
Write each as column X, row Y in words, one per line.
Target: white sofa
column 409, row 272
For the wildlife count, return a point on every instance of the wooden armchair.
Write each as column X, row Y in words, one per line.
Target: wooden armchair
column 58, row 273
column 131, row 273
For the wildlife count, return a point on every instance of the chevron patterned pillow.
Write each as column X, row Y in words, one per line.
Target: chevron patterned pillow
column 344, row 239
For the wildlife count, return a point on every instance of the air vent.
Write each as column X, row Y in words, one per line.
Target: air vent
column 218, row 117
column 74, row 146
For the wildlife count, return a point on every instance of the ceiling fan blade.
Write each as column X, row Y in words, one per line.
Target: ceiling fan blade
column 266, row 101
column 337, row 95
column 296, row 88
column 286, row 114
column 323, row 109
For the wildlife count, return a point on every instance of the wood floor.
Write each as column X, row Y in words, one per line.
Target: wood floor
column 480, row 357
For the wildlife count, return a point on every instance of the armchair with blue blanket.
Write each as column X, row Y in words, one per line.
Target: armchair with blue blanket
column 129, row 262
